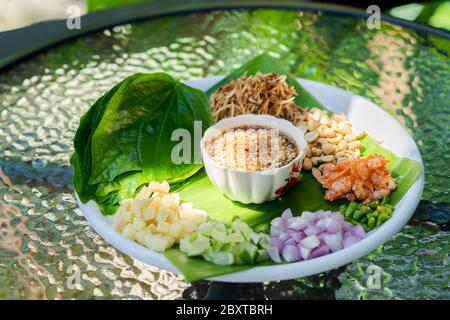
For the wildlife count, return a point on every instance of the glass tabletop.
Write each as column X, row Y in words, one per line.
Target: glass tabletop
column 47, row 248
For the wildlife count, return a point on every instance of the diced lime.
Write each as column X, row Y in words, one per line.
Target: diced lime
column 206, row 228
column 199, row 246
column 235, row 237
column 221, row 258
column 227, row 247
column 216, row 245
column 219, row 235
column 255, row 237
column 240, row 226
column 262, row 255
column 248, row 254
column 264, row 241
column 264, row 227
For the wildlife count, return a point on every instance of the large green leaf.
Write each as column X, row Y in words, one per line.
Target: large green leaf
column 125, row 139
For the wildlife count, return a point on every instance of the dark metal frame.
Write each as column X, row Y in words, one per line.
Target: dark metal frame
column 19, row 44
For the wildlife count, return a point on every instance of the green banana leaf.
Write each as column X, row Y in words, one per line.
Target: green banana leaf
column 307, row 195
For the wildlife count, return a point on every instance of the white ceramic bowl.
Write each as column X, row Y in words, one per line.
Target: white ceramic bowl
column 258, row 186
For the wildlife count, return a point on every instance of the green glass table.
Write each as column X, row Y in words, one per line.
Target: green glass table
column 47, row 248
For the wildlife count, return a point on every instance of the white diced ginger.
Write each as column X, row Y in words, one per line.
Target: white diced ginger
column 163, row 227
column 119, row 224
column 127, row 216
column 137, row 206
column 187, row 206
column 139, row 224
column 144, row 193
column 176, row 198
column 152, row 228
column 167, row 201
column 149, row 213
column 176, row 230
column 199, row 219
column 173, row 218
column 155, row 243
column 159, row 187
column 162, row 214
column 185, row 214
column 125, row 204
column 189, row 225
column 170, row 240
column 129, row 232
column 156, row 202
column 140, row 235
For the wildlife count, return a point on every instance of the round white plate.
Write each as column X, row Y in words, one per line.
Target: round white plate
column 364, row 115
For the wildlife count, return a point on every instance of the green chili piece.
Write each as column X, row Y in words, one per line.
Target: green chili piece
column 357, row 215
column 373, row 205
column 351, row 207
column 383, row 209
column 364, row 209
column 371, row 222
column 385, row 200
column 382, row 218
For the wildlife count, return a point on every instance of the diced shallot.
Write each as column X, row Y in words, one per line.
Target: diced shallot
column 320, row 251
column 310, row 242
column 274, row 254
column 310, row 235
column 291, row 253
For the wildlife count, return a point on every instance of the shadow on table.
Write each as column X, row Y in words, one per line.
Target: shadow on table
column 317, row 287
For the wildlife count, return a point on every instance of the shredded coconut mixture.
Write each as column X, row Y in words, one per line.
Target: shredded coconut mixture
column 252, row 149
column 258, row 94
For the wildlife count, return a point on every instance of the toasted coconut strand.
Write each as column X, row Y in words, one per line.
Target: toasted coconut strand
column 257, row 94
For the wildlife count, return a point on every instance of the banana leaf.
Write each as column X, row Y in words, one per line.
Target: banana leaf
column 306, row 195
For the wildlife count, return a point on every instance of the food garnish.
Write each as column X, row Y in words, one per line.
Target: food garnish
column 330, row 139
column 156, row 218
column 252, row 149
column 226, row 244
column 364, row 179
column 311, row 235
column 370, row 215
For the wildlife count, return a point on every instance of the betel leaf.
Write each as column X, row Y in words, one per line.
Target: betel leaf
column 125, row 139
column 140, row 120
column 81, row 160
column 264, row 63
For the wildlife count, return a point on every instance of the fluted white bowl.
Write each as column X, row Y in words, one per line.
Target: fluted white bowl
column 259, row 186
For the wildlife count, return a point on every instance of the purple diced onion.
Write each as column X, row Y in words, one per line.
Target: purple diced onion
column 291, row 253
column 311, row 235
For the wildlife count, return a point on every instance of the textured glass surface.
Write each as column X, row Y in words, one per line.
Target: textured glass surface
column 48, row 250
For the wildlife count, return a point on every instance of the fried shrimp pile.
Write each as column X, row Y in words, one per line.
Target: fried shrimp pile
column 363, row 179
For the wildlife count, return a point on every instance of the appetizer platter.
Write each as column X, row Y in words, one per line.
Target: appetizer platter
column 256, row 176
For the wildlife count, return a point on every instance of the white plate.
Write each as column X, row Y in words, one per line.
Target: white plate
column 364, row 115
